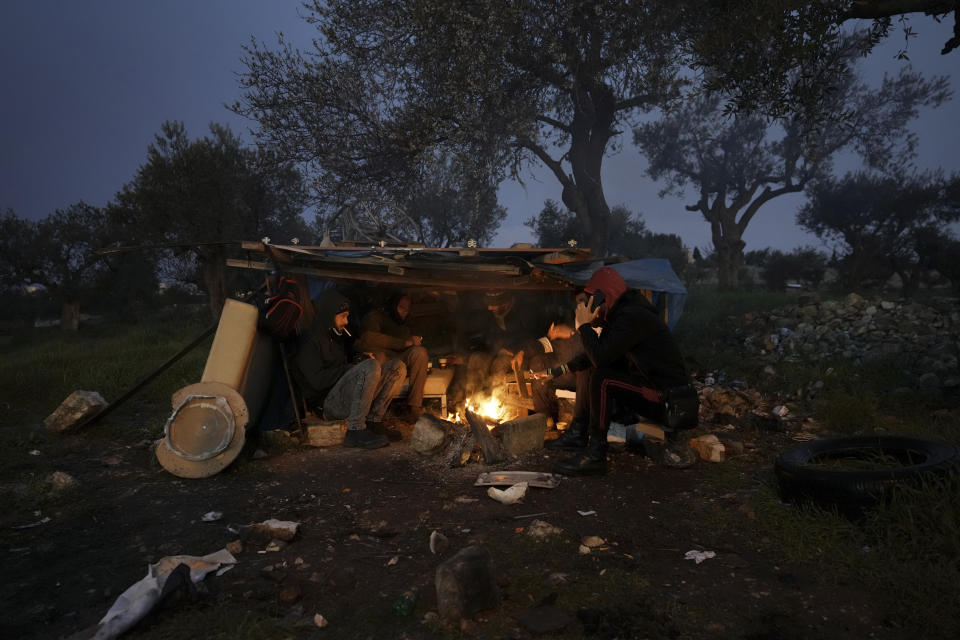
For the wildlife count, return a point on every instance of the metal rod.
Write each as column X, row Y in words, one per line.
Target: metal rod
column 148, row 378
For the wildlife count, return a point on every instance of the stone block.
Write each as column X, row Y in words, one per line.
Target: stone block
column 78, row 406
column 709, row 447
column 523, row 434
column 466, row 584
column 325, row 433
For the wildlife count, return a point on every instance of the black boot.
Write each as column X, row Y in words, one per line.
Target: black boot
column 382, row 429
column 591, row 462
column 364, row 439
column 573, row 439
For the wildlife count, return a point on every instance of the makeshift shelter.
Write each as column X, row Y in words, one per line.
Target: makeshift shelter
column 464, row 269
column 442, row 271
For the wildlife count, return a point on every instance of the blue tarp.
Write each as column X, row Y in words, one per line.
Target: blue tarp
column 650, row 274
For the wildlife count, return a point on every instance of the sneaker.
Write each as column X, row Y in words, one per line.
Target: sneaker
column 364, row 439
column 382, row 429
column 588, row 463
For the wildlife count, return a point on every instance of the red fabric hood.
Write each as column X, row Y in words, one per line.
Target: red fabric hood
column 609, row 282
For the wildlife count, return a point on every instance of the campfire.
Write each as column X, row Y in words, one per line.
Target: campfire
column 488, row 429
column 491, row 410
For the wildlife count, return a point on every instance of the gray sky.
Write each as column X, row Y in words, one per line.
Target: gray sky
column 86, row 86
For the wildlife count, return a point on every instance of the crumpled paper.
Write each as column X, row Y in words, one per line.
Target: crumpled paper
column 699, row 556
column 139, row 598
column 509, row 496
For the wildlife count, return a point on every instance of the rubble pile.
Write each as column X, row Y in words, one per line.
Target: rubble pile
column 924, row 338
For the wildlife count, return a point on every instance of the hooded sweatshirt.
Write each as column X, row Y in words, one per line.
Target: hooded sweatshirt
column 323, row 356
column 384, row 331
column 634, row 338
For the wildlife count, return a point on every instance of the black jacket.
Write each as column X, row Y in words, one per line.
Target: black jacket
column 633, row 340
column 323, row 355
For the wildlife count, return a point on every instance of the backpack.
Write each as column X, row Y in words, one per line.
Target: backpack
column 280, row 312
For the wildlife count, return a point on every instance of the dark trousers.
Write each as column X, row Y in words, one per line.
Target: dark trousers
column 613, row 388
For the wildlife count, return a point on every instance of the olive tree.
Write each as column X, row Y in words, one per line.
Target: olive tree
column 205, row 196
column 736, row 163
column 503, row 83
column 886, row 220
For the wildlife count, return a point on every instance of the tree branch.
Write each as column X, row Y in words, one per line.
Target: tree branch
column 554, row 165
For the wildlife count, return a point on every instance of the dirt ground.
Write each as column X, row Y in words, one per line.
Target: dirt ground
column 365, row 519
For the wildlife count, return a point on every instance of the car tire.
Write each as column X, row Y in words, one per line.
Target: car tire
column 800, row 475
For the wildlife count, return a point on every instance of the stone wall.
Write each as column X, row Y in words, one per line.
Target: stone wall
column 922, row 338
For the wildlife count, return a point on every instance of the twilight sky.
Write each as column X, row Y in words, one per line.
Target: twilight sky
column 86, row 86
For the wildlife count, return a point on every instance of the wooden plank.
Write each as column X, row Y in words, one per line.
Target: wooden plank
column 453, row 280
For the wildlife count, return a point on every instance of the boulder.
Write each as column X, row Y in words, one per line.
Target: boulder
column 78, row 406
column 466, row 584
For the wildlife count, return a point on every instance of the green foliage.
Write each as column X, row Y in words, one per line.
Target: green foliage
column 454, row 202
column 885, row 224
column 57, row 253
column 390, row 84
column 205, row 195
column 628, row 235
column 804, row 265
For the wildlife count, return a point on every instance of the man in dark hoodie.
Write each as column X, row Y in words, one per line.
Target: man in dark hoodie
column 358, row 392
column 628, row 355
column 385, row 334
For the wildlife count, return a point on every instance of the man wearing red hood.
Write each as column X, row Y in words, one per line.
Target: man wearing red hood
column 634, row 360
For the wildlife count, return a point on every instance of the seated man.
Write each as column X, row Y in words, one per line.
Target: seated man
column 358, row 392
column 560, row 345
column 500, row 341
column 385, row 334
column 634, row 360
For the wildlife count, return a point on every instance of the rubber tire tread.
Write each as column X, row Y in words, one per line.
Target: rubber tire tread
column 797, row 479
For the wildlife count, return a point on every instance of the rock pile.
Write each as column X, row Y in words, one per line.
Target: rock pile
column 922, row 337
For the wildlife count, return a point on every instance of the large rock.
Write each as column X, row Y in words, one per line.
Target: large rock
column 524, row 434
column 430, row 434
column 466, row 584
column 78, row 406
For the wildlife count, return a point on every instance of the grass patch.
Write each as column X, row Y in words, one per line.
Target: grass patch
column 905, row 550
column 43, row 368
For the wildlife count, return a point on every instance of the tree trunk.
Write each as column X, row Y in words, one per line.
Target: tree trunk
column 729, row 258
column 590, row 131
column 215, row 280
column 69, row 313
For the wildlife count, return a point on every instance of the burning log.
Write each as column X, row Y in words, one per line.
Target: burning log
column 492, row 450
column 460, row 448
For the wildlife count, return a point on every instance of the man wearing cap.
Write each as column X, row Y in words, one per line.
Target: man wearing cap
column 358, row 392
column 632, row 359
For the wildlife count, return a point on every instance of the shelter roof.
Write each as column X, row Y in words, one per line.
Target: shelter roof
column 519, row 267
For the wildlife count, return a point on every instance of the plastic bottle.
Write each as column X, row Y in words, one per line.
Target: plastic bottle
column 406, row 602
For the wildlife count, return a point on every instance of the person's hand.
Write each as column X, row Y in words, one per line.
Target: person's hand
column 538, row 375
column 559, row 331
column 517, row 361
column 417, row 341
column 583, row 315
